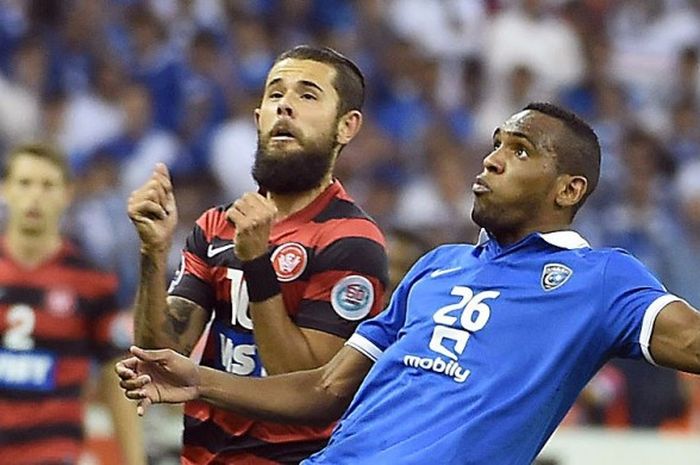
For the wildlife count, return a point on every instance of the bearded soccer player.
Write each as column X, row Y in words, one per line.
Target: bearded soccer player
column 483, row 347
column 285, row 277
column 57, row 312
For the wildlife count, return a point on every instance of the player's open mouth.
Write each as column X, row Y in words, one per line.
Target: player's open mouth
column 480, row 187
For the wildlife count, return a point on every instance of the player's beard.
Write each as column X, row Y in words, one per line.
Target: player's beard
column 295, row 170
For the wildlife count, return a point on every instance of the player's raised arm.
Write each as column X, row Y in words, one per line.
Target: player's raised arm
column 320, row 395
column 675, row 340
column 176, row 322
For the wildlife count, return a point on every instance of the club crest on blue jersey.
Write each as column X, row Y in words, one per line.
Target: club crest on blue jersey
column 352, row 297
column 554, row 275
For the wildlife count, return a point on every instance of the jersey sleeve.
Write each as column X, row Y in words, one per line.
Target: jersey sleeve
column 633, row 298
column 346, row 285
column 192, row 280
column 374, row 336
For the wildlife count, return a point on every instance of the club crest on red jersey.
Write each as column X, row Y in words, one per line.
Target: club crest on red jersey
column 289, row 261
column 60, row 302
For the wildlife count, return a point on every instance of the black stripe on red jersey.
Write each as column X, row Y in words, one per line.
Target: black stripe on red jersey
column 40, row 432
column 357, row 254
column 209, row 436
column 340, row 209
column 68, row 392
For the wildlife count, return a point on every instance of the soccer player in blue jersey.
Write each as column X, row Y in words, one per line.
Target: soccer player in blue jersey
column 484, row 347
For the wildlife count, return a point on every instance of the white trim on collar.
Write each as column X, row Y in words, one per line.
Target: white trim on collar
column 562, row 239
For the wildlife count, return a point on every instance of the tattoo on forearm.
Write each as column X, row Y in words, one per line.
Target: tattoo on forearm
column 179, row 317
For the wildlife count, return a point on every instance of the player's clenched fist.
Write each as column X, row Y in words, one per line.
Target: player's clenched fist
column 153, row 211
column 253, row 216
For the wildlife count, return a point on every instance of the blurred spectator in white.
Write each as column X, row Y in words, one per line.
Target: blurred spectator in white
column 232, row 150
column 686, row 273
column 98, row 221
column 527, row 34
column 442, row 28
column 647, row 37
column 521, row 88
column 155, row 65
column 21, row 91
column 252, row 49
column 641, row 222
column 683, row 135
column 437, row 202
column 141, row 144
column 94, row 116
column 204, row 102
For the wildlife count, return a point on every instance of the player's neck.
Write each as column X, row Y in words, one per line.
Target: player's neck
column 511, row 236
column 32, row 250
column 288, row 204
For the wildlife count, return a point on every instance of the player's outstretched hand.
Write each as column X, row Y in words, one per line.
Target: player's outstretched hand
column 158, row 376
column 153, row 211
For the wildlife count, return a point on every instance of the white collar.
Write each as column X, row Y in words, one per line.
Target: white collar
column 566, row 239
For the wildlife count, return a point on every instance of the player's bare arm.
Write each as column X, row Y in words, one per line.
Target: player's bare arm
column 675, row 342
column 320, row 395
column 303, row 349
column 174, row 323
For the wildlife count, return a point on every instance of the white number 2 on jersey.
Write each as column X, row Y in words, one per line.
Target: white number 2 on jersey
column 20, row 321
column 474, row 316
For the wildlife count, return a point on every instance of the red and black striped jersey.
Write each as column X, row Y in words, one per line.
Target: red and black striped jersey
column 54, row 319
column 331, row 263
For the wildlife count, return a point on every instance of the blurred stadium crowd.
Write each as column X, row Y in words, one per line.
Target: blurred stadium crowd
column 121, row 84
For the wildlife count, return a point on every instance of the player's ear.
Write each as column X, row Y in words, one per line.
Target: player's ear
column 571, row 190
column 348, row 126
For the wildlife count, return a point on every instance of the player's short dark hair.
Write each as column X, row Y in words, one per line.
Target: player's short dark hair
column 40, row 150
column 578, row 149
column 349, row 82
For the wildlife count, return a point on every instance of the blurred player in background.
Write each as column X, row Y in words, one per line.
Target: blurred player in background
column 57, row 313
column 284, row 277
column 483, row 349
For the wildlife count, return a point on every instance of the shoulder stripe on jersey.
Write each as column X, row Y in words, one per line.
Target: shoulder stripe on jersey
column 340, row 209
column 212, row 221
column 210, row 436
column 365, row 346
column 356, row 254
column 333, row 230
column 648, row 323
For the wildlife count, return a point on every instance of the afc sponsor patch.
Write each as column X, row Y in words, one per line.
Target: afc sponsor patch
column 289, row 261
column 554, row 275
column 352, row 297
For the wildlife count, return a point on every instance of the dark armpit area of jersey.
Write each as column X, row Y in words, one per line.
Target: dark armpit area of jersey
column 192, row 288
column 319, row 315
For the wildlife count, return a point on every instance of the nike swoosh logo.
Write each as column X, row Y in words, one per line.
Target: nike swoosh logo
column 437, row 273
column 214, row 251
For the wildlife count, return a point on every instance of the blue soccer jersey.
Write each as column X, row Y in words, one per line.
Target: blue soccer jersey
column 483, row 349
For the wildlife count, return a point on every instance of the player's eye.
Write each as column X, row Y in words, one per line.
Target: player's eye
column 522, row 152
column 308, row 96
